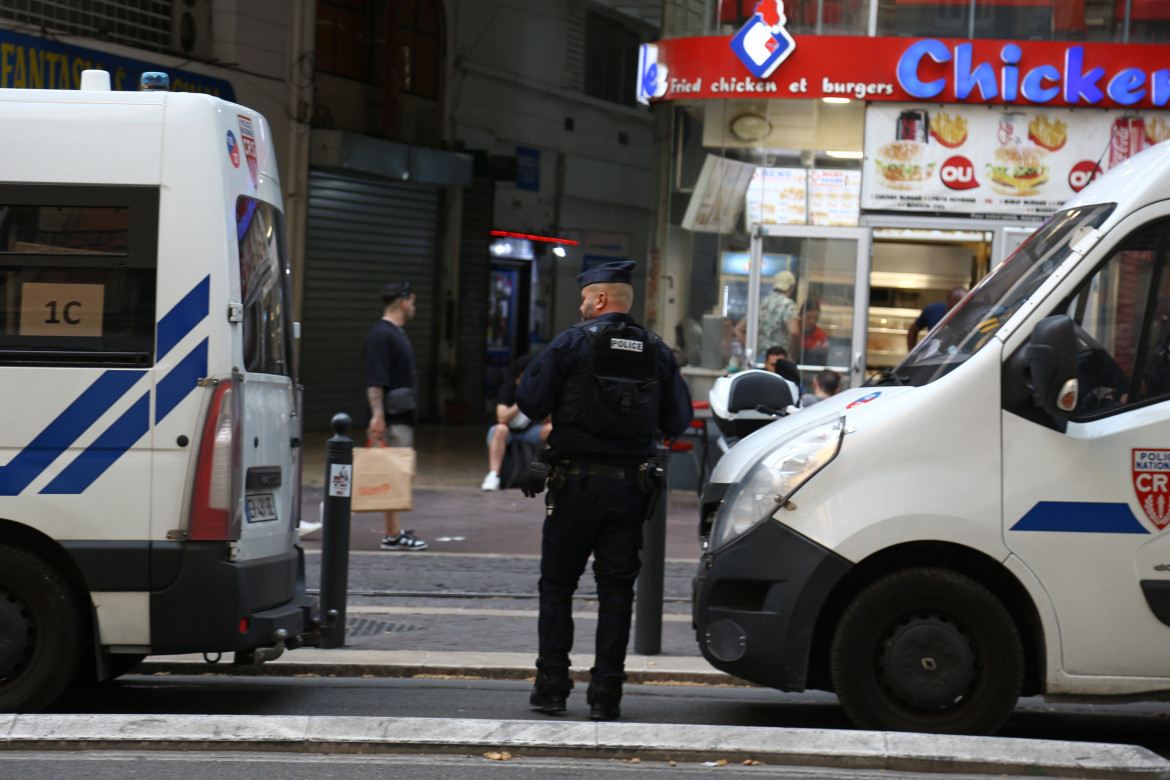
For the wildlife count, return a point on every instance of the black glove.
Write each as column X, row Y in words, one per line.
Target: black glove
column 534, row 479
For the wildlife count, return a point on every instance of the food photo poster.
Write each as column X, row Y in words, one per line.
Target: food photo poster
column 995, row 160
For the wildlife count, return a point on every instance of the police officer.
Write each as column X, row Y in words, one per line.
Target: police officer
column 609, row 384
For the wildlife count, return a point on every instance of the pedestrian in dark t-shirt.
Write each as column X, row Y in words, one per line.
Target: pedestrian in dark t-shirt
column 391, row 392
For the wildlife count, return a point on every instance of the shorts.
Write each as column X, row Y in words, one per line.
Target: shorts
column 531, row 434
column 399, row 435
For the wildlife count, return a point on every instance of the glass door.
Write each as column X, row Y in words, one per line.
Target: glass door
column 821, row 318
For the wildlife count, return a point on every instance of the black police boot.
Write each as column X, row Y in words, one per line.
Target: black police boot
column 549, row 694
column 604, row 700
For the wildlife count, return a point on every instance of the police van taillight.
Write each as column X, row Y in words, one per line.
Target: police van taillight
column 215, row 506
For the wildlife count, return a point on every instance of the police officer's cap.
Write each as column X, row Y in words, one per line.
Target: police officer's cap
column 394, row 291
column 619, row 273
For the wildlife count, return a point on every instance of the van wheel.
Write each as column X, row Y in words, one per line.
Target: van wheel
column 927, row 650
column 41, row 632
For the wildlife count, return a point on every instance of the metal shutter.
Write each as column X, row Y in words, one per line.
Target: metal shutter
column 362, row 233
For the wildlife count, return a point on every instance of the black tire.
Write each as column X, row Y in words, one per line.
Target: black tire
column 42, row 632
column 927, row 650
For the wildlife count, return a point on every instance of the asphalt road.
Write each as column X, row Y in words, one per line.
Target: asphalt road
column 120, row 765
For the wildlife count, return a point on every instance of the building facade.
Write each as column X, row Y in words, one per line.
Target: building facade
column 408, row 131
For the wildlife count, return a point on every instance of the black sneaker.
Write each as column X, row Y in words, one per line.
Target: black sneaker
column 550, row 694
column 604, row 700
column 404, row 541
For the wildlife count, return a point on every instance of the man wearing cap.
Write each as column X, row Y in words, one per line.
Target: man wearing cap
column 610, row 385
column 779, row 323
column 392, row 392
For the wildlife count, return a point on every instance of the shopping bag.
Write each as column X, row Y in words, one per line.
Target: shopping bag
column 383, row 478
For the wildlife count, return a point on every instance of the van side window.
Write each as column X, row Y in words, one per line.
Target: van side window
column 1112, row 312
column 78, row 270
column 265, row 287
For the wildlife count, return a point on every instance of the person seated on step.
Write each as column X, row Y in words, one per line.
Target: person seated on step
column 511, row 423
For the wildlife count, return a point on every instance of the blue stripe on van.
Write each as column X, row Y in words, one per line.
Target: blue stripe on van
column 107, row 448
column 183, row 317
column 58, row 435
column 1081, row 517
column 181, row 380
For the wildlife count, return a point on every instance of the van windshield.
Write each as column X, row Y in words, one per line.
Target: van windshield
column 973, row 323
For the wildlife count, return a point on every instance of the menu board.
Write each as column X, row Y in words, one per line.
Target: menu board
column 778, row 196
column 836, row 197
column 1001, row 160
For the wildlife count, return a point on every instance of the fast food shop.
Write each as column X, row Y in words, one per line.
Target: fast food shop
column 883, row 172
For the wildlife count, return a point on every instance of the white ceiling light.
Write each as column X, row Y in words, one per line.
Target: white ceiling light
column 835, row 100
column 843, row 155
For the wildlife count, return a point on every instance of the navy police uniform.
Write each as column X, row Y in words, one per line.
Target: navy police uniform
column 609, row 384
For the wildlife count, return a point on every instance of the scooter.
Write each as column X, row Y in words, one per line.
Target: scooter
column 746, row 401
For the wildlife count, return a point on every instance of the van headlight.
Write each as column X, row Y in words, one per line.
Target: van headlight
column 774, row 478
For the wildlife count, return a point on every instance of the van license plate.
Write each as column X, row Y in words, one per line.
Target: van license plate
column 261, row 507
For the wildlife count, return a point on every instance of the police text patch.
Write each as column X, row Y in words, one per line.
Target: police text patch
column 627, row 344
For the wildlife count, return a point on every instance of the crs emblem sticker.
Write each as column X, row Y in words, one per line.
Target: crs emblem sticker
column 763, row 43
column 1151, row 482
column 864, row 399
column 233, row 149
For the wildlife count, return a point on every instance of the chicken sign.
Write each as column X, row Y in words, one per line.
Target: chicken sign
column 763, row 43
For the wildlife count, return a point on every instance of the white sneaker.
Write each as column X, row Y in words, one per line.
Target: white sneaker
column 491, row 481
column 404, row 541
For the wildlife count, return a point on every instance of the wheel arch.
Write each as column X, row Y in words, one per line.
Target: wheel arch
column 943, row 555
column 21, row 536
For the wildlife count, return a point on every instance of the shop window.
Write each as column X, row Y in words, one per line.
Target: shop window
column 611, row 59
column 348, row 40
column 835, row 17
column 145, row 24
column 417, row 38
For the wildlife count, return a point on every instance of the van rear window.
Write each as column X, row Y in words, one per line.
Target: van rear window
column 265, row 285
column 78, row 268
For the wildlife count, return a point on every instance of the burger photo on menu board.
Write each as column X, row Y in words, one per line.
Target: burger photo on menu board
column 1017, row 170
column 902, row 165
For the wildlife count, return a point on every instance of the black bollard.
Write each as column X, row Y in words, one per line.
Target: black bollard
column 648, row 604
column 335, row 533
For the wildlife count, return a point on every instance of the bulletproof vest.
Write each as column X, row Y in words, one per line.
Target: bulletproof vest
column 615, row 393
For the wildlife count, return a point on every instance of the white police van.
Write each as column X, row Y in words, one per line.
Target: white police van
column 149, row 456
column 988, row 519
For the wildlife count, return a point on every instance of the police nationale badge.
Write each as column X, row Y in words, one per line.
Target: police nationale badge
column 763, row 43
column 1151, row 481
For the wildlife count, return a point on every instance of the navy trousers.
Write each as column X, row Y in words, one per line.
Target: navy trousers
column 602, row 516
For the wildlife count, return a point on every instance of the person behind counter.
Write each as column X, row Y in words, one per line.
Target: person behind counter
column 932, row 315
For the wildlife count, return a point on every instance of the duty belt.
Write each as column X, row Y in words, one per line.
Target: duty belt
column 599, row 470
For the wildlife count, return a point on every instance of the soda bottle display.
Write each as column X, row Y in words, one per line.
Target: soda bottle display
column 1128, row 138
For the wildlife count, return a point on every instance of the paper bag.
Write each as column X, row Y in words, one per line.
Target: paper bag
column 383, row 478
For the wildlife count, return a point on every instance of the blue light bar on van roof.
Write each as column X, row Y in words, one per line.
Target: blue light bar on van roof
column 154, row 80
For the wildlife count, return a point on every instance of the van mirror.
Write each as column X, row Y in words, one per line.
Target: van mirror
column 1051, row 357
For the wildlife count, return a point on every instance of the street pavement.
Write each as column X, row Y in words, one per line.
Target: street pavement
column 466, row 608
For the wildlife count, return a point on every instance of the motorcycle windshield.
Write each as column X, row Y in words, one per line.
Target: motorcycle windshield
column 975, row 321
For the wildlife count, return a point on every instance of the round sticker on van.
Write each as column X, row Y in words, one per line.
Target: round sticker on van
column 233, row 149
column 864, row 399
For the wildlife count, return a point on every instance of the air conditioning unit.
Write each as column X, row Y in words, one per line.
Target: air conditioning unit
column 191, row 28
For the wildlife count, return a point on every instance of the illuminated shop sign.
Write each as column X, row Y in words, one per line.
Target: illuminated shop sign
column 1048, row 73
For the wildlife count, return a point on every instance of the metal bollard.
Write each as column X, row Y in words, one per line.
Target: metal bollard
column 335, row 533
column 648, row 604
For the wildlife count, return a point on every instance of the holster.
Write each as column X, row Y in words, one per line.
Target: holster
column 650, row 479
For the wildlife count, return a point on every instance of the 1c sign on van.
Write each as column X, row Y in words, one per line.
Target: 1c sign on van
column 61, row 309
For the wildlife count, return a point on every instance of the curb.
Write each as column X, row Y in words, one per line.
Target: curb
column 641, row 670
column 793, row 747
